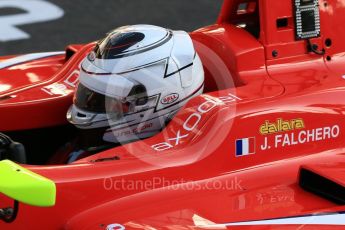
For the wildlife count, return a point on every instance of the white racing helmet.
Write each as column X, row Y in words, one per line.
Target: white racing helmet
column 134, row 81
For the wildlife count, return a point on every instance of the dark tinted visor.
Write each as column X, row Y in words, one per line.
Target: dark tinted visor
column 116, row 44
column 91, row 101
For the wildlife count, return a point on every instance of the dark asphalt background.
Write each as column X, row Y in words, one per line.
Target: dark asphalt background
column 89, row 20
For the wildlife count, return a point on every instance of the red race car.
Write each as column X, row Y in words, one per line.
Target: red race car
column 262, row 148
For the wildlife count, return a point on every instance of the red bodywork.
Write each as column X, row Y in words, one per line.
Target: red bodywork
column 200, row 172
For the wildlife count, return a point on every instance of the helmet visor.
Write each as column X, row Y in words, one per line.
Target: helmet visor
column 91, row 101
column 117, row 44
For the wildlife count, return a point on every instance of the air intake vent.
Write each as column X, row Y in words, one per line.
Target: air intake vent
column 322, row 186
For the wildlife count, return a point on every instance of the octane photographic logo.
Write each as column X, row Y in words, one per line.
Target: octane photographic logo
column 35, row 11
column 188, row 121
column 111, row 184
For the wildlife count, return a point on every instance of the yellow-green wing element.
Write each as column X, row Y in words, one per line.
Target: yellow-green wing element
column 25, row 186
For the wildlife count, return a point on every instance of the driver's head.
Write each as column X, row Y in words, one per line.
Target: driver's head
column 134, row 80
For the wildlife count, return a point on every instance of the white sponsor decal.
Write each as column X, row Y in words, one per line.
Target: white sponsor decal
column 73, row 79
column 27, row 58
column 35, row 11
column 325, row 219
column 63, row 88
column 333, row 219
column 115, row 227
column 55, row 89
column 192, row 122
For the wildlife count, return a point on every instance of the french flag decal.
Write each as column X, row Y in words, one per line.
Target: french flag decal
column 245, row 146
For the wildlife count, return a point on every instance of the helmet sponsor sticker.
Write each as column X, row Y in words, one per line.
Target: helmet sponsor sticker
column 169, row 99
column 134, row 131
